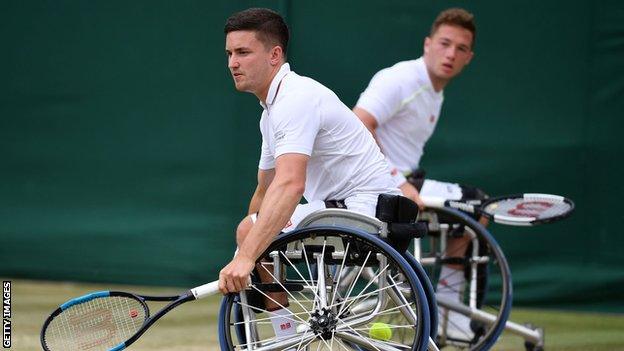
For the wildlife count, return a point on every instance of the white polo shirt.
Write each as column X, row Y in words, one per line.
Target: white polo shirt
column 407, row 108
column 302, row 116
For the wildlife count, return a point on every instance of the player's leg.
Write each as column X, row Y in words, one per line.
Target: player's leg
column 275, row 302
column 451, row 281
column 486, row 305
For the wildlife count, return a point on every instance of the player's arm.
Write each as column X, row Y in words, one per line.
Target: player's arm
column 371, row 124
column 280, row 200
column 265, row 177
column 410, row 192
column 369, row 121
column 278, row 204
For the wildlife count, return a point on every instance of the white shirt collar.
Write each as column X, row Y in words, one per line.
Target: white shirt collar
column 283, row 71
column 422, row 72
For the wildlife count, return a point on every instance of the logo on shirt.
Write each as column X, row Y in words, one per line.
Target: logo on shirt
column 279, row 135
column 285, row 326
column 432, row 119
column 288, row 224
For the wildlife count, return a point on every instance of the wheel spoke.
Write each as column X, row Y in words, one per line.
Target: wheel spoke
column 279, row 304
column 366, row 287
column 286, row 290
column 337, row 284
column 356, row 279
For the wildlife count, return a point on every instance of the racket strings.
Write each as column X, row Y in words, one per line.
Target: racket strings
column 534, row 207
column 98, row 324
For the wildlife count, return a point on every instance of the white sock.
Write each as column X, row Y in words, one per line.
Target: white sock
column 451, row 286
column 284, row 323
column 451, row 283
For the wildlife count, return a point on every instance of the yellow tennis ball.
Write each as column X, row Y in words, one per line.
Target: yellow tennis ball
column 380, row 331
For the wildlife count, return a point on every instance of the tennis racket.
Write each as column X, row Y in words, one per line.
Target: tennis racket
column 518, row 210
column 109, row 320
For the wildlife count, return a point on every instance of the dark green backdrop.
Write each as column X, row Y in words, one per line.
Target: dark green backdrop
column 127, row 156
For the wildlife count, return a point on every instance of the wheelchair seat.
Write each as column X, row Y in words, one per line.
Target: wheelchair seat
column 395, row 220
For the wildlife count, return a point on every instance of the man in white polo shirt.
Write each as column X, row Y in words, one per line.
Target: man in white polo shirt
column 312, row 145
column 401, row 107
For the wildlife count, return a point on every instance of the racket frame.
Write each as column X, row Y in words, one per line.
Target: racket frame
column 190, row 295
column 479, row 207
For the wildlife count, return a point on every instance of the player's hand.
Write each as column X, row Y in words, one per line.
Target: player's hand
column 236, row 275
column 410, row 192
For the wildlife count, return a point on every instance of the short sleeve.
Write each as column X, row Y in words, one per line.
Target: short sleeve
column 267, row 161
column 382, row 97
column 295, row 124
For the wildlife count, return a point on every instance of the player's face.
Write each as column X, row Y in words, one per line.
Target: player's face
column 448, row 51
column 249, row 61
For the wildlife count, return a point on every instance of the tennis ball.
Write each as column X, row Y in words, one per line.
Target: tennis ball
column 380, row 331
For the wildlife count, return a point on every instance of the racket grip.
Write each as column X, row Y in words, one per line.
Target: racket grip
column 206, row 290
column 460, row 205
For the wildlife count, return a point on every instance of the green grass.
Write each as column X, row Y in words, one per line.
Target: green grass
column 193, row 326
column 569, row 331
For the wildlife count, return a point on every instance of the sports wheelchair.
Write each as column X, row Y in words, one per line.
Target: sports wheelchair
column 486, row 298
column 352, row 284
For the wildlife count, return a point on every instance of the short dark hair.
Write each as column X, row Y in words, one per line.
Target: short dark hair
column 270, row 27
column 455, row 17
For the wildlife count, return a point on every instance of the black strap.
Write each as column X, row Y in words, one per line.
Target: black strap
column 400, row 213
column 335, row 204
column 416, row 178
column 396, row 209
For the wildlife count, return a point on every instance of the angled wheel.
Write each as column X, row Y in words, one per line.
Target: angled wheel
column 423, row 277
column 475, row 316
column 346, row 289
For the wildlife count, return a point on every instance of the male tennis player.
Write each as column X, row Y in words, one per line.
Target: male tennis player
column 401, row 107
column 312, row 146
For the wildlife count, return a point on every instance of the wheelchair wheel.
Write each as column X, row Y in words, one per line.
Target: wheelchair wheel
column 422, row 275
column 476, row 316
column 346, row 289
column 429, row 294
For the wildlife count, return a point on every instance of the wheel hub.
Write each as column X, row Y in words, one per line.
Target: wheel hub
column 323, row 323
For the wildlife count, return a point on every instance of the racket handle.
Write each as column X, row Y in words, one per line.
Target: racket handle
column 460, row 205
column 206, row 290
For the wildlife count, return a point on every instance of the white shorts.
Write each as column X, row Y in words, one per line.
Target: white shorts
column 361, row 203
column 434, row 188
